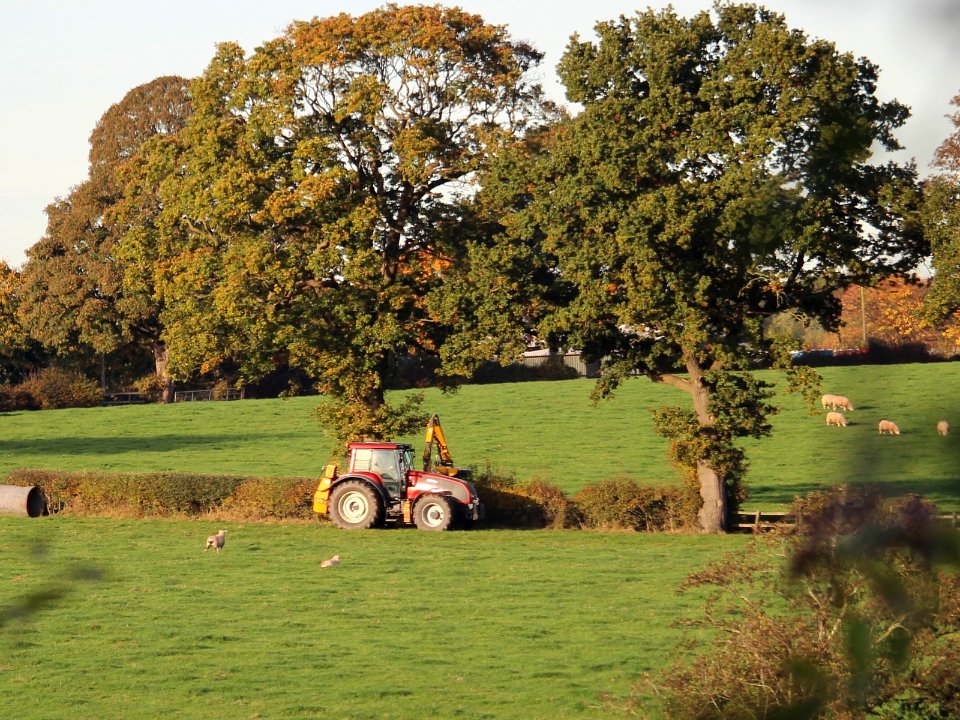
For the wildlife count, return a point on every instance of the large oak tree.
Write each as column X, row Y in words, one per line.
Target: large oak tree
column 316, row 198
column 719, row 173
column 72, row 294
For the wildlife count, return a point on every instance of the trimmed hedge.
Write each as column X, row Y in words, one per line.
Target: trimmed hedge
column 626, row 505
column 609, row 505
column 275, row 498
column 509, row 503
column 160, row 494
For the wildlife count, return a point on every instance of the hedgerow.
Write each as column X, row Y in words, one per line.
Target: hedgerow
column 163, row 494
column 508, row 503
column 621, row 504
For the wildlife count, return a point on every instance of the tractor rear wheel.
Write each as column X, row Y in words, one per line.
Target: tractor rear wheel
column 354, row 505
column 434, row 512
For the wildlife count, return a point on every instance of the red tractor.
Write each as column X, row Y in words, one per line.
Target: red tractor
column 381, row 486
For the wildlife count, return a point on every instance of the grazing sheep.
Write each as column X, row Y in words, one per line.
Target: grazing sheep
column 335, row 560
column 888, row 427
column 216, row 541
column 835, row 418
column 943, row 427
column 842, row 403
column 836, row 402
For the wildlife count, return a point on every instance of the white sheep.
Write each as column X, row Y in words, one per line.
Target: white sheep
column 835, row 418
column 335, row 560
column 836, row 402
column 216, row 541
column 843, row 403
column 943, row 427
column 888, row 427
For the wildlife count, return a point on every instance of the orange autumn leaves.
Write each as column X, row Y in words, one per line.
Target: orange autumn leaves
column 893, row 314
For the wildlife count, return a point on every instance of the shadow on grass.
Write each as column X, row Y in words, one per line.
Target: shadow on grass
column 116, row 445
column 945, row 490
column 29, row 604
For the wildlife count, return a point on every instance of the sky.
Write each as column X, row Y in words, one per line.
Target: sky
column 63, row 64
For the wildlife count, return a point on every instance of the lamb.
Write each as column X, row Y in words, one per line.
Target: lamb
column 835, row 418
column 888, row 427
column 837, row 402
column 943, row 427
column 335, row 560
column 216, row 541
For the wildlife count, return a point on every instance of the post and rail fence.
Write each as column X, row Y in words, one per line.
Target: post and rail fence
column 208, row 394
column 138, row 398
column 757, row 521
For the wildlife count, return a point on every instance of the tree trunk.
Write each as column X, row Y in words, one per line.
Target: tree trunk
column 713, row 513
column 713, row 491
column 161, row 360
column 376, row 396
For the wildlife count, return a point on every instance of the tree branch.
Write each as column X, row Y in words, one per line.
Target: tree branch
column 676, row 381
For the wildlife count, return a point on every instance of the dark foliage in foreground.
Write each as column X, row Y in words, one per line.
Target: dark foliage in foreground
column 862, row 622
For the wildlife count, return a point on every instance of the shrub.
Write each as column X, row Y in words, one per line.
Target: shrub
column 627, row 505
column 57, row 487
column 861, row 622
column 262, row 498
column 504, row 503
column 509, row 503
column 164, row 494
column 493, row 372
column 178, row 493
column 557, row 511
column 54, row 388
column 16, row 397
column 150, row 386
column 665, row 508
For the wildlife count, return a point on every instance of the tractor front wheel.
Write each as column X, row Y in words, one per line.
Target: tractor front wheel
column 354, row 505
column 434, row 512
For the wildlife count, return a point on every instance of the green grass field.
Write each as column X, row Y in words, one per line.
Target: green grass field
column 486, row 624
column 545, row 431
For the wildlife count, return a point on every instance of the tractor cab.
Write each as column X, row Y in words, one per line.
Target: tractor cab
column 389, row 461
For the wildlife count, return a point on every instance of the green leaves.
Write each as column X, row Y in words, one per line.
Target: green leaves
column 307, row 215
column 717, row 175
column 82, row 290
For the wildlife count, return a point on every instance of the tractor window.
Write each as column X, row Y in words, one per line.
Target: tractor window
column 383, row 462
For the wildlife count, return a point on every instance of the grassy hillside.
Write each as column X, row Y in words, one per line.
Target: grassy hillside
column 492, row 624
column 546, row 431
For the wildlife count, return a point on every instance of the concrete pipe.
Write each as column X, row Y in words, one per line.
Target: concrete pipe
column 16, row 500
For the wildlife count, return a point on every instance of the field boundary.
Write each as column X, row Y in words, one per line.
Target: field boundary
column 764, row 520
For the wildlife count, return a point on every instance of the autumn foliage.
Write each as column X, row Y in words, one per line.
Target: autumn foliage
column 891, row 313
